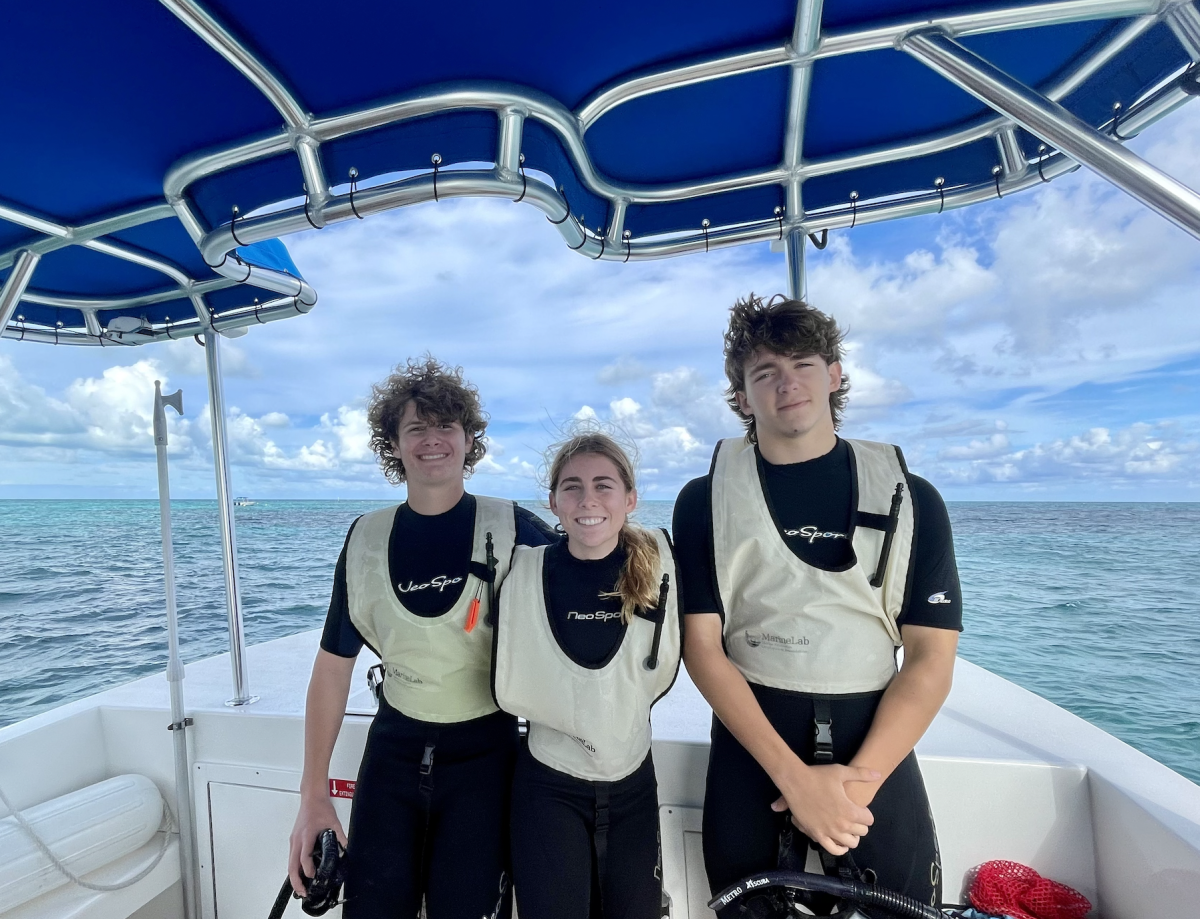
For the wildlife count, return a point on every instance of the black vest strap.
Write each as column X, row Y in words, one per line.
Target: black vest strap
column 600, row 837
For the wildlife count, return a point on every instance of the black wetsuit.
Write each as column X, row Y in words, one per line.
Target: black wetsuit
column 813, row 505
column 430, row 816
column 556, row 850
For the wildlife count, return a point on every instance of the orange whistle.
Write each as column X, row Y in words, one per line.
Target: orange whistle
column 472, row 615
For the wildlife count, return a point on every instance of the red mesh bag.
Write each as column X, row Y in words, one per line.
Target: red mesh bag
column 1008, row 889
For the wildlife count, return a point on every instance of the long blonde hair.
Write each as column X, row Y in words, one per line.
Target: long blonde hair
column 637, row 587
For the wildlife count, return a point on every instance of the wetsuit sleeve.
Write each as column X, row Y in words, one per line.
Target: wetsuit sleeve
column 934, row 596
column 691, row 529
column 532, row 530
column 339, row 636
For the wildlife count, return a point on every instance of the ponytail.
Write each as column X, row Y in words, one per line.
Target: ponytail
column 637, row 587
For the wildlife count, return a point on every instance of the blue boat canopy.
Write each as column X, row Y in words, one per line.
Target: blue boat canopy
column 155, row 152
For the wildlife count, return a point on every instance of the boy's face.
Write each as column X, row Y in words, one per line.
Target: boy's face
column 432, row 451
column 788, row 395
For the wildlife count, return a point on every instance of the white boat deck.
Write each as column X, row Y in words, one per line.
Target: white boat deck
column 1009, row 774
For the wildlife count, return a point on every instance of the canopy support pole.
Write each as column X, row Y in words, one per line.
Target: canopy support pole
column 1058, row 127
column 794, row 243
column 175, row 672
column 806, row 35
column 233, row 596
column 14, row 287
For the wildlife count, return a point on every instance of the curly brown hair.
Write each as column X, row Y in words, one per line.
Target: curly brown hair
column 440, row 394
column 786, row 327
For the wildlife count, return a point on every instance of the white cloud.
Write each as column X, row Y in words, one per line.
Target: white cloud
column 624, row 369
column 1139, row 452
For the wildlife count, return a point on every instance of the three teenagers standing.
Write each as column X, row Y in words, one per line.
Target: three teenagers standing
column 805, row 562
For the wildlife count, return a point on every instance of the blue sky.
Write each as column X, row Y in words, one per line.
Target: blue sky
column 1041, row 347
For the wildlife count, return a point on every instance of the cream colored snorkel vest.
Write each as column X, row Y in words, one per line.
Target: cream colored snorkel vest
column 434, row 669
column 790, row 625
column 591, row 723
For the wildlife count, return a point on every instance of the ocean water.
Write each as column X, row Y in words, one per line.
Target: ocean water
column 1093, row 606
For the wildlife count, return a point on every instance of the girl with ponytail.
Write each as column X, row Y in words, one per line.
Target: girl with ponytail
column 588, row 639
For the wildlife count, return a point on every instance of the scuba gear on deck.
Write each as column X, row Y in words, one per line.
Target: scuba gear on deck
column 780, row 891
column 435, row 669
column 324, row 889
column 789, row 624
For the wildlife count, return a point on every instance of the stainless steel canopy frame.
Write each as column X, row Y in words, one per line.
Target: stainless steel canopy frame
column 300, row 296
column 514, row 106
column 303, row 135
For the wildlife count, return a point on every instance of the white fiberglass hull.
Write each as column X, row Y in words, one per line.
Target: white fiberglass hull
column 1009, row 776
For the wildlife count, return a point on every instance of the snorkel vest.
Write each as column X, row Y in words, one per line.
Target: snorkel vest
column 592, row 723
column 435, row 669
column 788, row 624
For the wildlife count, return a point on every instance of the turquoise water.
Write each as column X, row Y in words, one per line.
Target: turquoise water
column 1093, row 606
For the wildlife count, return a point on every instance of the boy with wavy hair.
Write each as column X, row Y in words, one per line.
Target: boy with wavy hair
column 415, row 583
column 806, row 561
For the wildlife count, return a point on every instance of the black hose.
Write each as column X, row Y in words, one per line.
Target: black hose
column 863, row 894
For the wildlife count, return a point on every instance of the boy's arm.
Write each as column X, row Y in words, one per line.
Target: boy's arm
column 908, row 706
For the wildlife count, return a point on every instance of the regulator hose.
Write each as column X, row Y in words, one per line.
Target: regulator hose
column 863, row 894
column 322, row 891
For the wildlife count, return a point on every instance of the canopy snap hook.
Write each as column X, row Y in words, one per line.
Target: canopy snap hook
column 257, row 307
column 823, row 241
column 353, row 189
column 233, row 228
column 997, row 172
column 1190, row 81
column 21, row 322
column 628, row 246
column 779, row 218
column 307, row 215
column 524, row 181
column 562, row 191
column 603, row 238
column 1041, row 156
column 940, row 184
column 853, row 209
column 249, row 270
column 1116, row 110
column 436, row 159
column 704, row 225
column 583, row 232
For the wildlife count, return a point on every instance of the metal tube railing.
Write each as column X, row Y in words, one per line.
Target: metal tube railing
column 233, row 596
column 1058, row 127
column 14, row 287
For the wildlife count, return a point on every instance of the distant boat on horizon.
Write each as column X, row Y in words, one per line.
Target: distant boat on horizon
column 243, row 502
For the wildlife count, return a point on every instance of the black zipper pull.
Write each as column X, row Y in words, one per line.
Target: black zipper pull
column 651, row 663
column 888, row 534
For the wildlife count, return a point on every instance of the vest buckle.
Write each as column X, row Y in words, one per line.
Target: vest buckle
column 375, row 681
column 822, row 731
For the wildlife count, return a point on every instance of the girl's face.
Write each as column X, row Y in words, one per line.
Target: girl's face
column 592, row 502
